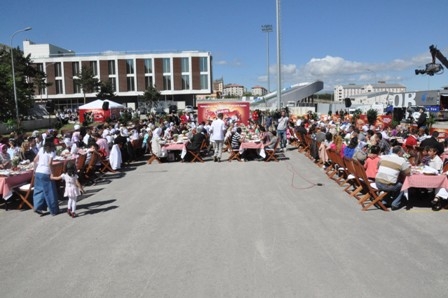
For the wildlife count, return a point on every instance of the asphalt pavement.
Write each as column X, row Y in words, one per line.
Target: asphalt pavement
column 229, row 229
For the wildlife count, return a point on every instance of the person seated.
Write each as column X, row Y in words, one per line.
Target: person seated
column 371, row 162
column 195, row 142
column 338, row 145
column 433, row 142
column 349, row 151
column 237, row 139
column 390, row 168
column 272, row 140
column 5, row 159
column 26, row 153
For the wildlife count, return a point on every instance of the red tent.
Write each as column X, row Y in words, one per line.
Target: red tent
column 100, row 110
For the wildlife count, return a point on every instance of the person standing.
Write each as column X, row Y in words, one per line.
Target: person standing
column 281, row 130
column 72, row 187
column 45, row 193
column 218, row 130
column 421, row 121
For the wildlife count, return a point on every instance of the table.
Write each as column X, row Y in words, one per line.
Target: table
column 176, row 147
column 7, row 183
column 253, row 145
column 420, row 180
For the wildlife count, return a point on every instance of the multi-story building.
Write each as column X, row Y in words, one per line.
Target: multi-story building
column 259, row 91
column 178, row 76
column 233, row 90
column 347, row 91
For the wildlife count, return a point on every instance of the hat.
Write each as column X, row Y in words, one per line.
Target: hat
column 76, row 127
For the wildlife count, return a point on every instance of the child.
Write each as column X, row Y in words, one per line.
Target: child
column 72, row 187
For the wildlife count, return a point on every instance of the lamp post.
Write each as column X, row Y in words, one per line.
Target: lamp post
column 279, row 65
column 267, row 29
column 13, row 74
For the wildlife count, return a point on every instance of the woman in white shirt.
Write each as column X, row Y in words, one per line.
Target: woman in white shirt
column 45, row 193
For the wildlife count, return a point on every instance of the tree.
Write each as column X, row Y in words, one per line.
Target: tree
column 25, row 77
column 106, row 90
column 151, row 97
column 87, row 81
column 372, row 114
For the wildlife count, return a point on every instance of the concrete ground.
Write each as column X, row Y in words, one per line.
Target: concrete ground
column 229, row 229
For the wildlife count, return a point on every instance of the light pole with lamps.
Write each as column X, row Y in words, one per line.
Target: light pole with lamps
column 13, row 74
column 267, row 29
column 279, row 60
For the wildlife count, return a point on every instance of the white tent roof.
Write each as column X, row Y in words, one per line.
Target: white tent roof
column 98, row 104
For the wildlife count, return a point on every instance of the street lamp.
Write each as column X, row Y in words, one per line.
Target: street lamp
column 13, row 74
column 279, row 62
column 267, row 29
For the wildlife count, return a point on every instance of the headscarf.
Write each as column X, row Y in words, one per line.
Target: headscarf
column 156, row 133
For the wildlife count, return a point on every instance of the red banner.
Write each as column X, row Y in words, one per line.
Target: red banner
column 236, row 111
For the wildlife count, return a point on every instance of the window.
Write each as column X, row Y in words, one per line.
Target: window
column 166, row 65
column 57, row 69
column 130, row 83
column 75, row 68
column 204, row 81
column 129, row 66
column 58, row 84
column 76, row 88
column 185, row 82
column 203, row 66
column 113, row 82
column 111, row 67
column 148, row 65
column 148, row 82
column 167, row 82
column 185, row 65
column 94, row 67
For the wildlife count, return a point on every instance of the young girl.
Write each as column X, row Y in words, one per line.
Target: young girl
column 72, row 187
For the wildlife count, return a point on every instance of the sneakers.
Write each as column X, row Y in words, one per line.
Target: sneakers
column 215, row 159
column 219, row 159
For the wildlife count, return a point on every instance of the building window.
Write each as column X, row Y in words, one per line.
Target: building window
column 76, row 88
column 130, row 83
column 129, row 66
column 148, row 82
column 204, row 82
column 75, row 68
column 113, row 82
column 57, row 69
column 185, row 65
column 185, row 82
column 166, row 65
column 167, row 82
column 203, row 66
column 111, row 67
column 94, row 67
column 148, row 65
column 58, row 84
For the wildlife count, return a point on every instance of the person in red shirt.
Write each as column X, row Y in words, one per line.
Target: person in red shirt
column 371, row 163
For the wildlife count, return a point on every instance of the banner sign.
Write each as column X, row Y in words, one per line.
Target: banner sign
column 233, row 111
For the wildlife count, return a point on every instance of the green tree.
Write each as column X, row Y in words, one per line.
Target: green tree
column 106, row 90
column 151, row 97
column 87, row 81
column 25, row 77
column 372, row 114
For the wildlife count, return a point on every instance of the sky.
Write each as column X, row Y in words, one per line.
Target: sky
column 338, row 42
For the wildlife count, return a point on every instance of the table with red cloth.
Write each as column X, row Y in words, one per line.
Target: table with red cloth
column 7, row 183
column 419, row 180
column 176, row 147
column 259, row 146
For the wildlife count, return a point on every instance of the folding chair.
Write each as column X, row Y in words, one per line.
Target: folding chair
column 195, row 156
column 106, row 166
column 24, row 192
column 234, row 153
column 270, row 153
column 153, row 158
column 372, row 192
column 354, row 186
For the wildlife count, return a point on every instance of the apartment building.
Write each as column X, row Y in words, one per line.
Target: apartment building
column 178, row 76
column 259, row 91
column 347, row 91
column 233, row 90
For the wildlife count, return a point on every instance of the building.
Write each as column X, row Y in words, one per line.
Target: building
column 348, row 91
column 233, row 90
column 178, row 76
column 259, row 91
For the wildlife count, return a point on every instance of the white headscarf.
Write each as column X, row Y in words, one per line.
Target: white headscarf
column 156, row 133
